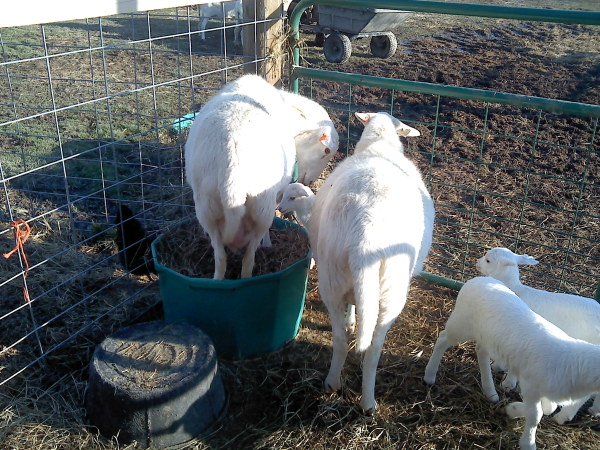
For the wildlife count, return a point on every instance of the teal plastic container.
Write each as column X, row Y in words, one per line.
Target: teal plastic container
column 244, row 318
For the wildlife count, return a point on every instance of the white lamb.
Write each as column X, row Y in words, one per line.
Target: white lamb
column 226, row 9
column 577, row 316
column 240, row 155
column 370, row 230
column 552, row 367
column 299, row 199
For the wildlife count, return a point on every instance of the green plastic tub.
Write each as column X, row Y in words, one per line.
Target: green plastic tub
column 244, row 318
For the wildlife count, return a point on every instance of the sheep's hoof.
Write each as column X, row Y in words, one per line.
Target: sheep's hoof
column 429, row 381
column 368, row 408
column 330, row 388
column 494, row 398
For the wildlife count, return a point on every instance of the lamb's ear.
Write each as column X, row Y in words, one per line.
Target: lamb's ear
column 299, row 193
column 363, row 117
column 404, row 130
column 526, row 260
column 505, row 261
column 326, row 139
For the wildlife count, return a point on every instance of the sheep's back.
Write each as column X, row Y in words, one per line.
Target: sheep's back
column 368, row 208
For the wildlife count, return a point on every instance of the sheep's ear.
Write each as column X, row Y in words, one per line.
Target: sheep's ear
column 526, row 260
column 505, row 261
column 326, row 139
column 300, row 193
column 404, row 130
column 363, row 117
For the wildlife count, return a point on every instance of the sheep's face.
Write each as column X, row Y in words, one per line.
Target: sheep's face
column 385, row 124
column 314, row 150
column 499, row 258
column 485, row 265
column 291, row 195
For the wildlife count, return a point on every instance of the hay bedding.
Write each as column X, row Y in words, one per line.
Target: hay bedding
column 187, row 250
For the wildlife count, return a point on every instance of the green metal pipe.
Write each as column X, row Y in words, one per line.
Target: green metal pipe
column 462, row 9
column 524, row 101
column 441, row 281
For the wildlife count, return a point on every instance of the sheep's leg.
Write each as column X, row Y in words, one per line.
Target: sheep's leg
column 335, row 307
column 548, row 407
column 509, row 383
column 266, row 240
column 237, row 32
column 393, row 298
column 515, row 410
column 442, row 344
column 350, row 318
column 202, row 26
column 568, row 411
column 369, row 371
column 248, row 259
column 485, row 370
column 214, row 234
column 533, row 415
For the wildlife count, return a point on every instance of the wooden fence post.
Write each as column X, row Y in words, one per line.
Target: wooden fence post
column 265, row 40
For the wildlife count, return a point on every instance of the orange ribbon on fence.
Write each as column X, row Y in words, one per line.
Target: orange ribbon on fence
column 21, row 237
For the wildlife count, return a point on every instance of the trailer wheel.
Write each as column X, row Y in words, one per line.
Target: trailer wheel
column 384, row 46
column 337, row 48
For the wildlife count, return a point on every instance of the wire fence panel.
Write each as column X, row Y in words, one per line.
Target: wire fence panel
column 93, row 115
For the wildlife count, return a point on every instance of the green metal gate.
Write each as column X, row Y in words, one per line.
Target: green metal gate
column 566, row 240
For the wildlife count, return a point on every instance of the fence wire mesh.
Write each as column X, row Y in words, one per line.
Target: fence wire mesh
column 500, row 176
column 93, row 115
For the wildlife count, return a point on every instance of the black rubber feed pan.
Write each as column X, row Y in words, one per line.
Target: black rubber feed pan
column 156, row 383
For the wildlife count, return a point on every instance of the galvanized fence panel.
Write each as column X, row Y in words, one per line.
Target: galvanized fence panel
column 93, row 115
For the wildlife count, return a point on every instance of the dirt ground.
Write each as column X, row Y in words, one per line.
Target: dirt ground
column 500, row 175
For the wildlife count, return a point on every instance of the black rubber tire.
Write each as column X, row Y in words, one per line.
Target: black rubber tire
column 319, row 39
column 156, row 383
column 337, row 48
column 384, row 46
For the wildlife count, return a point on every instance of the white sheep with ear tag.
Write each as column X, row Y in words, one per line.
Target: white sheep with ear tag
column 577, row 316
column 240, row 155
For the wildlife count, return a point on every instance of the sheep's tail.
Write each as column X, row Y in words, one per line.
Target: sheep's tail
column 366, row 295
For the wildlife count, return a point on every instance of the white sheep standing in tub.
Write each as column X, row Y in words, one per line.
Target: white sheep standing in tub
column 577, row 316
column 240, row 154
column 552, row 367
column 370, row 230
